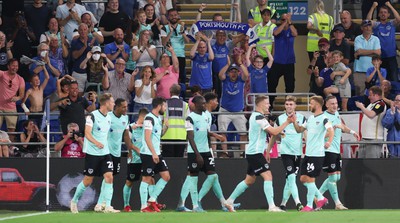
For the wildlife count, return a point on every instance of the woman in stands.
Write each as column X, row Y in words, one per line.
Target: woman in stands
column 30, row 134
column 145, row 89
column 144, row 53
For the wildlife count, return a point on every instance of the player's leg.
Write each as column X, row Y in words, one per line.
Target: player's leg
column 269, row 190
column 90, row 171
column 209, row 170
column 108, row 170
column 147, row 179
column 190, row 184
column 291, row 164
column 310, row 169
column 249, row 180
column 133, row 174
column 162, row 169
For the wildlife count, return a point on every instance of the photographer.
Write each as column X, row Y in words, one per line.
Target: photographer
column 72, row 143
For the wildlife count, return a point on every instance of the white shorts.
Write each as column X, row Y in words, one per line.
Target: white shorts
column 239, row 121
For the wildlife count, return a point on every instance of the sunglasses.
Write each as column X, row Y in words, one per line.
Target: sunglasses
column 10, row 83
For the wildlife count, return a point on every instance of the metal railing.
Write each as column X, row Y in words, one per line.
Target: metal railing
column 254, row 95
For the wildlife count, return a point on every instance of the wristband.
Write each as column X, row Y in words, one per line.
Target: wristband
column 200, row 11
column 352, row 132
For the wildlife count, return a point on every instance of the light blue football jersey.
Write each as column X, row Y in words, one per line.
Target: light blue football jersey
column 316, row 130
column 118, row 126
column 100, row 124
column 137, row 137
column 335, row 120
column 291, row 142
column 257, row 135
column 153, row 123
column 200, row 127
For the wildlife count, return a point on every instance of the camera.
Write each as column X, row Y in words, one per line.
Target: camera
column 322, row 53
column 75, row 133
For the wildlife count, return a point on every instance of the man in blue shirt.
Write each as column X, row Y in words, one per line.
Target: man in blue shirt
column 221, row 49
column 284, row 57
column 385, row 30
column 201, row 63
column 118, row 48
column 232, row 100
column 79, row 48
column 54, row 73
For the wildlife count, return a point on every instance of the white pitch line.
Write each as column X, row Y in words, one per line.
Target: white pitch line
column 23, row 216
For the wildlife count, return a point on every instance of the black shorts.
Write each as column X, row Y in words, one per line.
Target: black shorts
column 117, row 164
column 134, row 171
column 291, row 163
column 311, row 166
column 256, row 164
column 149, row 168
column 209, row 164
column 97, row 165
column 332, row 162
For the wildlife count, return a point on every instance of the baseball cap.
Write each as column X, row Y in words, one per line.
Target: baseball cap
column 233, row 66
column 323, row 41
column 96, row 49
column 366, row 23
column 338, row 28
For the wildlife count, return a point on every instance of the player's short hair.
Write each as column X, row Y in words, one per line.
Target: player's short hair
column 119, row 102
column 104, row 98
column 329, row 97
column 337, row 52
column 375, row 90
column 143, row 112
column 210, row 96
column 157, row 101
column 318, row 99
column 261, row 98
column 175, row 89
column 196, row 99
column 291, row 98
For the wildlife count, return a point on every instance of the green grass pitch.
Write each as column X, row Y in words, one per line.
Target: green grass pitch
column 241, row 216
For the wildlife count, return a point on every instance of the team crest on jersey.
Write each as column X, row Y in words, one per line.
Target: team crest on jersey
column 149, row 170
column 194, row 165
column 333, row 166
column 132, row 176
column 377, row 106
column 317, row 123
column 223, row 50
column 289, row 168
column 90, row 171
column 123, row 123
column 266, row 165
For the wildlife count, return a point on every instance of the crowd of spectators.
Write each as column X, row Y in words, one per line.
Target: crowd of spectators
column 137, row 52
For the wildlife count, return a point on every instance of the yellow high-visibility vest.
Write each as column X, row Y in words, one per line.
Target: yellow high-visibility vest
column 322, row 22
column 257, row 14
column 265, row 34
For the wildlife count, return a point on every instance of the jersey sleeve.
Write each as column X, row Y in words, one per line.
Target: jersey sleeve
column 148, row 123
column 379, row 107
column 262, row 121
column 189, row 124
column 327, row 123
column 89, row 120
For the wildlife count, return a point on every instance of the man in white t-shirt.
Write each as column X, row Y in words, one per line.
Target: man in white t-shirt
column 69, row 16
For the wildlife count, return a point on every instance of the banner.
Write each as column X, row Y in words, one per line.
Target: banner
column 229, row 26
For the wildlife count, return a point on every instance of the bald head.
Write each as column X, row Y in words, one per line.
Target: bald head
column 118, row 36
